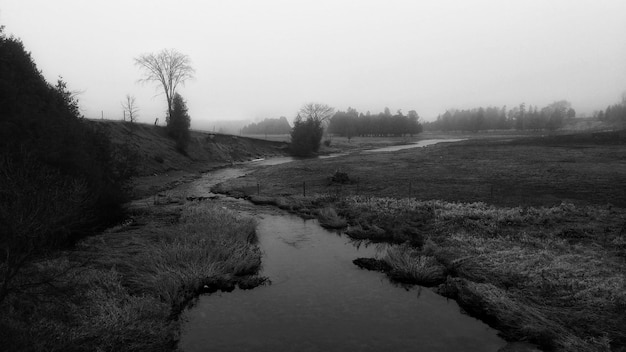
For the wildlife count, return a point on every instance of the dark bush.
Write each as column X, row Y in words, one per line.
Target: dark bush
column 306, row 136
column 59, row 178
column 340, row 177
column 179, row 123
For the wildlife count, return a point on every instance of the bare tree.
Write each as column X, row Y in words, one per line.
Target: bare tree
column 167, row 68
column 130, row 108
column 319, row 113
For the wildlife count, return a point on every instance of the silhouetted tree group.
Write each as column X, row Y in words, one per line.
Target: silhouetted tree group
column 614, row 114
column 351, row 123
column 551, row 117
column 59, row 178
column 268, row 126
column 308, row 128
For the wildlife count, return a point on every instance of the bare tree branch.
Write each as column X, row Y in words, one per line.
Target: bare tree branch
column 168, row 68
column 319, row 113
column 130, row 108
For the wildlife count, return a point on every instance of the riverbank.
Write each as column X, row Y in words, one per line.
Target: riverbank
column 159, row 166
column 123, row 290
column 541, row 257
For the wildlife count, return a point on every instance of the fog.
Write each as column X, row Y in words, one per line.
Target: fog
column 257, row 59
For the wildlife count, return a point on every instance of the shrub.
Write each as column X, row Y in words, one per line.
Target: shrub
column 59, row 178
column 306, row 136
column 329, row 219
column 179, row 123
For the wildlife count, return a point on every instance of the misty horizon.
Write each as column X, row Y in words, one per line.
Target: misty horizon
column 265, row 60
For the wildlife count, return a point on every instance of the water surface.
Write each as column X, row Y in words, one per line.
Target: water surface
column 423, row 143
column 320, row 301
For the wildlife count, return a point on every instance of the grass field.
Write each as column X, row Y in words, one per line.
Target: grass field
column 124, row 289
column 528, row 234
column 508, row 172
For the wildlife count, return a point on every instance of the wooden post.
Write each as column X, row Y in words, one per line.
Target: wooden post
column 304, row 188
column 258, row 189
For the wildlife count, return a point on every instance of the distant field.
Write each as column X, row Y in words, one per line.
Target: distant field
column 507, row 172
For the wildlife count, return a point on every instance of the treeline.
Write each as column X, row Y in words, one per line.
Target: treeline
column 551, row 117
column 614, row 114
column 268, row 126
column 351, row 123
column 59, row 178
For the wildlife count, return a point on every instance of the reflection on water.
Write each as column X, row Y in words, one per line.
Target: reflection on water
column 320, row 301
column 419, row 144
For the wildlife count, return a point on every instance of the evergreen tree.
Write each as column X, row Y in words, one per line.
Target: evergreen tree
column 179, row 123
column 306, row 136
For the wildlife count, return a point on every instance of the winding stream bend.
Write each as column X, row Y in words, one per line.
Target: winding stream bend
column 320, row 301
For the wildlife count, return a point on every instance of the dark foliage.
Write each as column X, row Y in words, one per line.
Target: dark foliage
column 551, row 117
column 59, row 178
column 340, row 177
column 306, row 136
column 350, row 123
column 268, row 126
column 615, row 114
column 179, row 123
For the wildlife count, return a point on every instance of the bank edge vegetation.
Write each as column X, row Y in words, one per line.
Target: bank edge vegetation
column 61, row 182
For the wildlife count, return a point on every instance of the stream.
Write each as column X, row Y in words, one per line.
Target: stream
column 318, row 300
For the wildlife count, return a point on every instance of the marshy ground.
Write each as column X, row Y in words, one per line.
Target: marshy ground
column 528, row 234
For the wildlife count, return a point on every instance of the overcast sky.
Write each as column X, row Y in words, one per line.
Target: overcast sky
column 259, row 58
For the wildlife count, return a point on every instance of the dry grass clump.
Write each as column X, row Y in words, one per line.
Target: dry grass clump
column 209, row 241
column 82, row 308
column 410, row 266
column 551, row 274
column 122, row 291
column 520, row 318
column 328, row 218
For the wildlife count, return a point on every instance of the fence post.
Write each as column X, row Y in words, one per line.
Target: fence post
column 304, row 188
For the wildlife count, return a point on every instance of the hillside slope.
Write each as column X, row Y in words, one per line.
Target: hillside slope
column 161, row 166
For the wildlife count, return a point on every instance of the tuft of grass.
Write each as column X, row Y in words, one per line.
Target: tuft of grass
column 123, row 290
column 554, row 275
column 408, row 265
column 520, row 318
column 329, row 219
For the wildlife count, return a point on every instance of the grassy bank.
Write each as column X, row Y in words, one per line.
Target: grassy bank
column 527, row 234
column 550, row 275
column 122, row 290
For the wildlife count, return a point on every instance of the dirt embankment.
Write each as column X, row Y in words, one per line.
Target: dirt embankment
column 160, row 166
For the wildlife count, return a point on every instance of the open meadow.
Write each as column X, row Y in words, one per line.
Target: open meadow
column 528, row 234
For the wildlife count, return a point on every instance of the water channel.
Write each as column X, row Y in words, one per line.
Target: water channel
column 320, row 301
column 419, row 144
